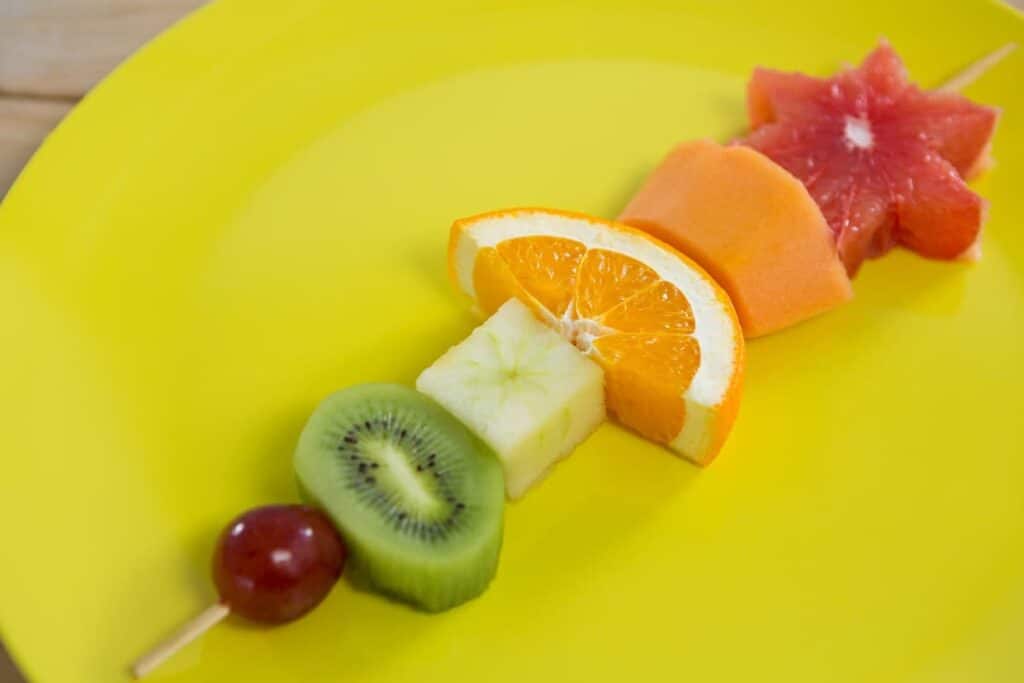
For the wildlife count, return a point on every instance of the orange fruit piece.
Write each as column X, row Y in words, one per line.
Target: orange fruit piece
column 665, row 333
column 752, row 225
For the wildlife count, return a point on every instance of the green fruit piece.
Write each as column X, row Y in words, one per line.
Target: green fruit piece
column 417, row 498
column 523, row 389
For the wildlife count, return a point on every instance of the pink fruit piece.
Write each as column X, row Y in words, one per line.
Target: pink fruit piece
column 884, row 159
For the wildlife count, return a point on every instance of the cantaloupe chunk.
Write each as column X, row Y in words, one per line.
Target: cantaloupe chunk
column 751, row 225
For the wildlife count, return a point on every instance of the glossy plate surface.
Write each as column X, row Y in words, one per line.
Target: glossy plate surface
column 253, row 212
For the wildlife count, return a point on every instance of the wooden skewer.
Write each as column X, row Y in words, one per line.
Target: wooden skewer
column 977, row 69
column 196, row 627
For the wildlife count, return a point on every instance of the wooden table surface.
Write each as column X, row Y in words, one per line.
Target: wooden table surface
column 51, row 53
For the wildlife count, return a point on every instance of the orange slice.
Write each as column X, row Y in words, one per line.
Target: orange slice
column 665, row 333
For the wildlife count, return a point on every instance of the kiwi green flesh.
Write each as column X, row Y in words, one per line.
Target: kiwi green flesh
column 418, row 499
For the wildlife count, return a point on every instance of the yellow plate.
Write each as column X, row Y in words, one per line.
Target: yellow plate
column 253, row 212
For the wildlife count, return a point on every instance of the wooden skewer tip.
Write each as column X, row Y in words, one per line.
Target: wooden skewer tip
column 191, row 630
column 978, row 69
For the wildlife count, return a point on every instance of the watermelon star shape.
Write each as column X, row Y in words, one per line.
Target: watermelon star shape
column 884, row 159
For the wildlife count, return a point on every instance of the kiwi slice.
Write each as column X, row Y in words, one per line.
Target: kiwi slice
column 418, row 499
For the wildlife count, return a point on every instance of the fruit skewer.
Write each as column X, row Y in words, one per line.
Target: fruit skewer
column 274, row 564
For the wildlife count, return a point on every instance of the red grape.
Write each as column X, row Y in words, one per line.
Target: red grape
column 275, row 563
